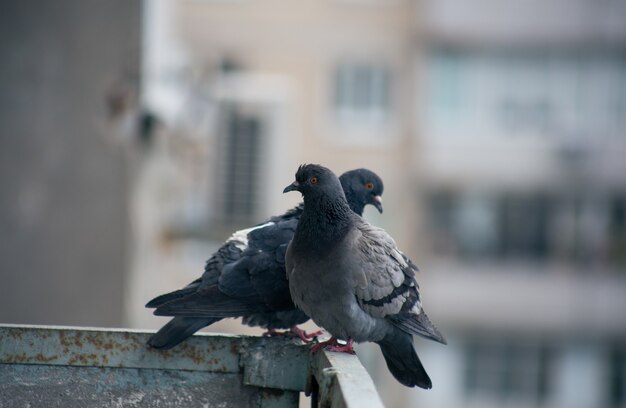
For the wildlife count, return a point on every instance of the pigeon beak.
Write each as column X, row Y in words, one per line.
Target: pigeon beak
column 291, row 187
column 378, row 203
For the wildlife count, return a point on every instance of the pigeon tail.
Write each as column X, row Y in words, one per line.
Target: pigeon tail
column 177, row 330
column 177, row 294
column 208, row 305
column 402, row 360
column 418, row 324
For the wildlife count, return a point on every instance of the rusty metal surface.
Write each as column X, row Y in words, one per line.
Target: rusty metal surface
column 88, row 367
column 115, row 348
column 276, row 367
column 339, row 380
column 59, row 387
column 85, row 367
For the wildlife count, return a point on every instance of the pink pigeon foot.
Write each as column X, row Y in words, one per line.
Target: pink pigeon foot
column 333, row 345
column 303, row 335
column 295, row 332
column 272, row 333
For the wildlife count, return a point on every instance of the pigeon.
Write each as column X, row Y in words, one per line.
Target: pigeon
column 246, row 276
column 350, row 278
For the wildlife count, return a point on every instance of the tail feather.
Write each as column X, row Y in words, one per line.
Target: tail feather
column 418, row 324
column 177, row 330
column 402, row 360
column 178, row 294
column 207, row 305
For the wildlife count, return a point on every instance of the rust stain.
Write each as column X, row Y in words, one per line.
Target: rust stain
column 234, row 348
column 16, row 334
column 16, row 358
column 64, row 340
column 194, row 355
column 78, row 341
column 22, row 358
column 84, row 359
column 43, row 359
column 93, row 339
column 89, row 348
column 165, row 353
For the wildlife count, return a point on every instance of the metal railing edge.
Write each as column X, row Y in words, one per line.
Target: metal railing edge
column 340, row 380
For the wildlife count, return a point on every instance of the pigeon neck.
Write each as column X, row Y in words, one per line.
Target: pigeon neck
column 325, row 219
column 354, row 202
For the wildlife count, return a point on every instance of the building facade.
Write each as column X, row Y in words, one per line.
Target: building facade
column 498, row 128
column 522, row 183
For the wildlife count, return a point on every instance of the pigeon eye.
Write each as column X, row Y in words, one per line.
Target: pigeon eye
column 369, row 186
column 313, row 180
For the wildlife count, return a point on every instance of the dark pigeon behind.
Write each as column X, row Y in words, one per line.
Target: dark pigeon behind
column 352, row 280
column 246, row 276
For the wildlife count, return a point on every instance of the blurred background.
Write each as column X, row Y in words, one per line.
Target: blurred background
column 136, row 136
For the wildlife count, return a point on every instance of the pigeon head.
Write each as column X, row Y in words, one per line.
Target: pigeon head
column 362, row 187
column 313, row 180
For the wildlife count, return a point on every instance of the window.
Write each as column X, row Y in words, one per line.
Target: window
column 523, row 226
column 361, row 94
column 616, row 383
column 446, row 102
column 617, row 231
column 490, row 225
column 507, row 369
column 477, row 225
column 240, row 147
column 575, row 229
column 527, row 93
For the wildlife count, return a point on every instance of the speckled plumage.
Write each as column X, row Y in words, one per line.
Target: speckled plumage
column 352, row 280
column 246, row 276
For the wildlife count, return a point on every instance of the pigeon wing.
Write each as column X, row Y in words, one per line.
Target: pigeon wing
column 383, row 279
column 268, row 274
column 177, row 294
column 228, row 253
column 385, row 284
column 208, row 303
column 259, row 275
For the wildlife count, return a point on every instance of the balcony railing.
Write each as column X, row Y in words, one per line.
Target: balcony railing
column 88, row 367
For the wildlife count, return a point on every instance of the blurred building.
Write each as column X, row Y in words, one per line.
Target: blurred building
column 498, row 129
column 251, row 90
column 286, row 83
column 248, row 91
column 497, row 126
column 522, row 181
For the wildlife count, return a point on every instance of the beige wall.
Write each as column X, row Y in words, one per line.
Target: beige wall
column 300, row 44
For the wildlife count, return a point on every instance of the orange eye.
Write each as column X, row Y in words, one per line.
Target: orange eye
column 369, row 186
column 313, row 180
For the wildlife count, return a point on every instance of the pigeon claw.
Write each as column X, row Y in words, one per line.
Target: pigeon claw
column 303, row 335
column 272, row 333
column 333, row 345
column 293, row 332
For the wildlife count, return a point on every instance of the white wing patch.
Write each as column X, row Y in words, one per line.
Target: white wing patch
column 241, row 237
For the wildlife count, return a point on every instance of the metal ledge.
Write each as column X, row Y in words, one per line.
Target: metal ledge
column 80, row 367
column 339, row 380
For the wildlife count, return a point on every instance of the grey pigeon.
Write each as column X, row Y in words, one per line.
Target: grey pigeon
column 352, row 280
column 246, row 276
